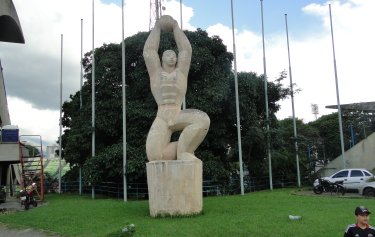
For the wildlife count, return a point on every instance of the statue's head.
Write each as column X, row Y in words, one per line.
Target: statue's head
column 169, row 58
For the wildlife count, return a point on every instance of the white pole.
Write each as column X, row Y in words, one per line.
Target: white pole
column 80, row 102
column 293, row 111
column 184, row 99
column 93, row 96
column 266, row 102
column 237, row 104
column 60, row 150
column 124, row 106
column 181, row 13
column 337, row 93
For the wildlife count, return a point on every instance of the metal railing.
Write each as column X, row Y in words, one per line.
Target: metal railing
column 140, row 190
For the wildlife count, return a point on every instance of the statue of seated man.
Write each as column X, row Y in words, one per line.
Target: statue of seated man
column 168, row 81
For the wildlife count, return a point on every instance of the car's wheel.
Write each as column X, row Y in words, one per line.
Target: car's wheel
column 369, row 192
column 318, row 189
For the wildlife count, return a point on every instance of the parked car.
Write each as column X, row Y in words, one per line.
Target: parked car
column 368, row 189
column 353, row 179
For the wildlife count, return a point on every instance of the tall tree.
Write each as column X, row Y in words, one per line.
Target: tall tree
column 285, row 152
column 254, row 120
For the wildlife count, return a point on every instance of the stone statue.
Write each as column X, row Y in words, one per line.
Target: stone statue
column 168, row 81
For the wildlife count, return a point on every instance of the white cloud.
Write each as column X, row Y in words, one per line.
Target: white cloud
column 33, row 121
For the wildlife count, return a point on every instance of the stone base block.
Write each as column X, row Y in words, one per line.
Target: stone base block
column 175, row 187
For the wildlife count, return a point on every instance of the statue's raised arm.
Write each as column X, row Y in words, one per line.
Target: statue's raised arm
column 150, row 51
column 184, row 50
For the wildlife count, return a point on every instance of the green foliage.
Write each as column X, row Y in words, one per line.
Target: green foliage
column 254, row 119
column 329, row 134
column 284, row 155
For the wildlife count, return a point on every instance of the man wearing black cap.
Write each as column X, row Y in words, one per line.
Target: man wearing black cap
column 361, row 228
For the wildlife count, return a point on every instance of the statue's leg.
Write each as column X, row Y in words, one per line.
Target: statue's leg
column 158, row 139
column 170, row 151
column 194, row 125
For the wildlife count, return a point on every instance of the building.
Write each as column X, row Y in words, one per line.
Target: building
column 10, row 147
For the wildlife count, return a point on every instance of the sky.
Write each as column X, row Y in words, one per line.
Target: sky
column 52, row 31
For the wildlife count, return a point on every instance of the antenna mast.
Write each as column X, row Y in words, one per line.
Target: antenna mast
column 155, row 12
column 315, row 110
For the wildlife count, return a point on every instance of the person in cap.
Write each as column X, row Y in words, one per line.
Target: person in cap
column 361, row 228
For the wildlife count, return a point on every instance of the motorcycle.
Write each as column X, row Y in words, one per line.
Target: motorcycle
column 27, row 196
column 329, row 187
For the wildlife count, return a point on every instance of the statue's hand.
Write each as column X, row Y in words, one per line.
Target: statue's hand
column 167, row 23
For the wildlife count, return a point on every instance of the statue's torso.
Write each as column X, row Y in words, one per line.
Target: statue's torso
column 169, row 90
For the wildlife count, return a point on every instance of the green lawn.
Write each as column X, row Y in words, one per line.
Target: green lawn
column 52, row 167
column 255, row 214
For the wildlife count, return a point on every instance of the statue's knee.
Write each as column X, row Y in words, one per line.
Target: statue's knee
column 205, row 121
column 151, row 156
column 152, row 153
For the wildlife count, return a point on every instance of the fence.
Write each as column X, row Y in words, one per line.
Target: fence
column 140, row 190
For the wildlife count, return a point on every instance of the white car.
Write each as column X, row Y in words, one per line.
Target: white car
column 352, row 178
column 368, row 189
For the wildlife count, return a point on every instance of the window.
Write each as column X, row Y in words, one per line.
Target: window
column 341, row 174
column 356, row 173
column 367, row 173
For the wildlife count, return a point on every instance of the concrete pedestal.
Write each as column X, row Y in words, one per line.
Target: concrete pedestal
column 174, row 187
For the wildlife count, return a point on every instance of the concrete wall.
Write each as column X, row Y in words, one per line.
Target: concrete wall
column 10, row 152
column 4, row 111
column 362, row 155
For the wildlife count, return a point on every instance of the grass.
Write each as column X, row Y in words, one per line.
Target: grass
column 263, row 213
column 52, row 167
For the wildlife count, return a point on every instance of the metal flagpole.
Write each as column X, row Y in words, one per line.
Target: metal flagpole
column 93, row 96
column 80, row 102
column 81, row 75
column 237, row 104
column 124, row 106
column 61, row 71
column 184, row 99
column 337, row 93
column 292, row 97
column 181, row 13
column 266, row 102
